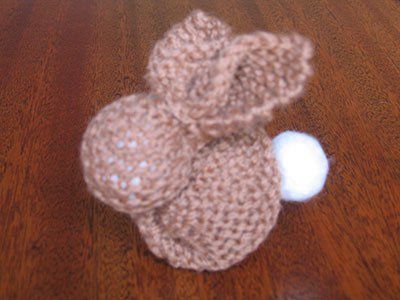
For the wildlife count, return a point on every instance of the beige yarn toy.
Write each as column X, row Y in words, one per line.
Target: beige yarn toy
column 190, row 162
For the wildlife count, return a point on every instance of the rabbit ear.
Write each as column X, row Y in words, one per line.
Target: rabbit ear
column 217, row 83
column 185, row 51
column 252, row 75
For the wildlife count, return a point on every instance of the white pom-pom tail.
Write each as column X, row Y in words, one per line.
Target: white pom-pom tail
column 302, row 163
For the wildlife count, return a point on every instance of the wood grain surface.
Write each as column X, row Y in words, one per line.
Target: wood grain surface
column 62, row 61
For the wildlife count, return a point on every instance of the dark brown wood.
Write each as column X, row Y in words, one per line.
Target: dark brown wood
column 61, row 61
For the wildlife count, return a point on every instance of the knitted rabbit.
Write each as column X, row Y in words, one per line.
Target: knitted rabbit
column 190, row 162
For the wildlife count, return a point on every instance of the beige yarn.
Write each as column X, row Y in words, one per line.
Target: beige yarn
column 226, row 211
column 190, row 162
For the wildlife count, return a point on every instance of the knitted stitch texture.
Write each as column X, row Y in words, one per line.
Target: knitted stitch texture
column 190, row 162
column 228, row 209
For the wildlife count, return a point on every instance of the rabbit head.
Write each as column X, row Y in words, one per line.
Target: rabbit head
column 136, row 155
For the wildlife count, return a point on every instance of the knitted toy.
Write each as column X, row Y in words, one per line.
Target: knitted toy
column 190, row 162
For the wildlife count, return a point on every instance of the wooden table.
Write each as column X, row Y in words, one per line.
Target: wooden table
column 62, row 61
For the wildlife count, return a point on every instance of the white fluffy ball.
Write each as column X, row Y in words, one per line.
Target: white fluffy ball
column 302, row 163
